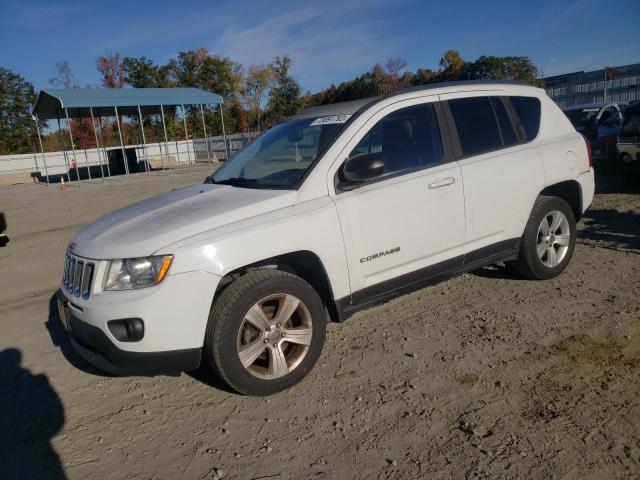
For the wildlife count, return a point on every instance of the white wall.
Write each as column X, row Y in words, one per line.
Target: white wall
column 56, row 165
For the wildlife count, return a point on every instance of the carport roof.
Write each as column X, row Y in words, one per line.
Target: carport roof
column 52, row 102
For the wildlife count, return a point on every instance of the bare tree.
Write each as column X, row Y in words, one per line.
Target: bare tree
column 64, row 77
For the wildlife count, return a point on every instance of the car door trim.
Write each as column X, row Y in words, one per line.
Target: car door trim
column 389, row 289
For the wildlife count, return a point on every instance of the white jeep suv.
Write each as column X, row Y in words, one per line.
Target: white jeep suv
column 331, row 211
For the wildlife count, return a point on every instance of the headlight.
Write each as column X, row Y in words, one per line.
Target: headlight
column 133, row 273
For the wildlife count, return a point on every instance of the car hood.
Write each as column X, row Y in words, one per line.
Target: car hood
column 143, row 228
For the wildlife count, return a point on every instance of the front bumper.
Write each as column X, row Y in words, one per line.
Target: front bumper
column 94, row 346
column 175, row 315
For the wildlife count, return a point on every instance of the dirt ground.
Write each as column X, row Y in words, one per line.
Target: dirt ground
column 484, row 376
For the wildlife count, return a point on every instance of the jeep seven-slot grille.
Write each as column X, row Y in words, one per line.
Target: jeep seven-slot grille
column 77, row 277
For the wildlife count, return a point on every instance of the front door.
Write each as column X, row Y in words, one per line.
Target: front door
column 410, row 222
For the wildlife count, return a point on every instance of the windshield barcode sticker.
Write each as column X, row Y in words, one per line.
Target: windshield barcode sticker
column 329, row 120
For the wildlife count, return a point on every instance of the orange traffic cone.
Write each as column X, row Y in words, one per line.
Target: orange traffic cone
column 62, row 184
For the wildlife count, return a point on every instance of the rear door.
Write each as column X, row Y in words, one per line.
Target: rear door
column 502, row 174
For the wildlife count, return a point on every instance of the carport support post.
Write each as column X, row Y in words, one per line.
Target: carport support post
column 104, row 146
column 160, row 147
column 144, row 142
column 124, row 153
column 98, row 150
column 64, row 149
column 86, row 159
column 206, row 138
column 44, row 158
column 224, row 135
column 73, row 146
column 166, row 140
column 186, row 137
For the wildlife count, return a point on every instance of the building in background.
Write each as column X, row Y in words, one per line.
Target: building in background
column 611, row 84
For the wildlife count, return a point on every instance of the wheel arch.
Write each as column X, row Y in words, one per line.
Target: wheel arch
column 570, row 191
column 303, row 263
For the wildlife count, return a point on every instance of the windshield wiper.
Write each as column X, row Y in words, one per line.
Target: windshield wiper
column 236, row 181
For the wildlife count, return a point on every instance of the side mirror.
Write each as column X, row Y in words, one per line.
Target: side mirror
column 362, row 167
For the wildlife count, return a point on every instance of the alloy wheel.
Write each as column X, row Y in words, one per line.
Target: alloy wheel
column 274, row 336
column 554, row 237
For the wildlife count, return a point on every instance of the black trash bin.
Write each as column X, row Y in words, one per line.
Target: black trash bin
column 116, row 162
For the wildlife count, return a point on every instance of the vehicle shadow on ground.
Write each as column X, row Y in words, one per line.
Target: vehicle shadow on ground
column 629, row 183
column 206, row 375
column 32, row 414
column 60, row 339
column 612, row 228
column 499, row 270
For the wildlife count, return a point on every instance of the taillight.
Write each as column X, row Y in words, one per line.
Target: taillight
column 586, row 140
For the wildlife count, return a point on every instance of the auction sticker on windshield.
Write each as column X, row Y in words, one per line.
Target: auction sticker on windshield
column 331, row 119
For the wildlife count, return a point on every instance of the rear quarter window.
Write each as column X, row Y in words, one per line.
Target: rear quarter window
column 528, row 110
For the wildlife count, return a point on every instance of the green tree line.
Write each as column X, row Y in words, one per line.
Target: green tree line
column 255, row 97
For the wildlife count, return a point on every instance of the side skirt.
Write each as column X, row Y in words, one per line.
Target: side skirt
column 431, row 275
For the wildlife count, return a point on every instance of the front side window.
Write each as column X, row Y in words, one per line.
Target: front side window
column 407, row 139
column 476, row 125
column 281, row 156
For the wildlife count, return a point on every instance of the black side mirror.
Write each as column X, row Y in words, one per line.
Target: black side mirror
column 362, row 167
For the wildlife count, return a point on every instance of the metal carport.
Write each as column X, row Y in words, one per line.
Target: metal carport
column 63, row 104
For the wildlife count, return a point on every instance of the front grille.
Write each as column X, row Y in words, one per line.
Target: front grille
column 78, row 275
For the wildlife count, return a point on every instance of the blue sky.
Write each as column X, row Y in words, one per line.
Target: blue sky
column 329, row 40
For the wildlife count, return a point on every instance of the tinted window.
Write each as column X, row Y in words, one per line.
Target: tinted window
column 406, row 139
column 506, row 127
column 528, row 110
column 476, row 125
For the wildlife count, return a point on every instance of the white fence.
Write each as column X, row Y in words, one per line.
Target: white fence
column 159, row 155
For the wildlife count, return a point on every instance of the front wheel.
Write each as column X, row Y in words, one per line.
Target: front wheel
column 265, row 332
column 548, row 241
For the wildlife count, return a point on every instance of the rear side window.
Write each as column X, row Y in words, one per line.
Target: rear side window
column 528, row 110
column 476, row 124
column 506, row 127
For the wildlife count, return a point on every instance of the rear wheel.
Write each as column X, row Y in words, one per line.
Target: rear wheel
column 265, row 332
column 548, row 241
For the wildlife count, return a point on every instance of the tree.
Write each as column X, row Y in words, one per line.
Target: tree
column 143, row 73
column 501, row 68
column 259, row 79
column 112, row 70
column 197, row 68
column 64, row 77
column 393, row 79
column 81, row 128
column 283, row 97
column 17, row 97
column 452, row 63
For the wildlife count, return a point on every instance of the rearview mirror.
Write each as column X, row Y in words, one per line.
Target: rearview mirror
column 363, row 167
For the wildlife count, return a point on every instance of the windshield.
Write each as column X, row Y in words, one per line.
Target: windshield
column 281, row 156
column 582, row 117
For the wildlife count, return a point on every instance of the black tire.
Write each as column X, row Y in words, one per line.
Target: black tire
column 227, row 317
column 529, row 263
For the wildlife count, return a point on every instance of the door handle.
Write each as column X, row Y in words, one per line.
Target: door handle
column 443, row 182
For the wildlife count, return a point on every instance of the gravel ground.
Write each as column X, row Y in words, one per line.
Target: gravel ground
column 484, row 376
